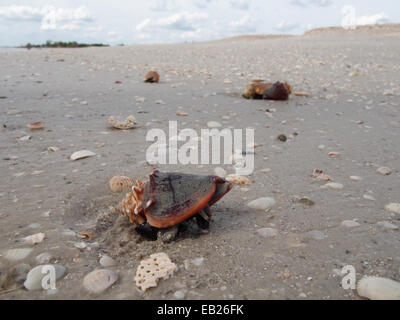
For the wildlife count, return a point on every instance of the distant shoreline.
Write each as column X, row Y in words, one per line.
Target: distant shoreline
column 390, row 28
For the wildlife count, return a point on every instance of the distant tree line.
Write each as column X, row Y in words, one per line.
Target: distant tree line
column 61, row 44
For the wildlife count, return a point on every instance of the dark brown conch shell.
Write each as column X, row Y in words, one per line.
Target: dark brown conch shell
column 168, row 199
column 152, row 77
column 278, row 91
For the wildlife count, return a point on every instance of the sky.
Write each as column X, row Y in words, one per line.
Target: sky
column 165, row 21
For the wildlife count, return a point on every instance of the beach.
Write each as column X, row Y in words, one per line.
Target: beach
column 348, row 127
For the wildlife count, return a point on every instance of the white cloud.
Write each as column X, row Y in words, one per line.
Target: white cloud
column 185, row 21
column 51, row 18
column 163, row 5
column 21, row 13
column 244, row 25
column 306, row 3
column 285, row 26
column 240, row 4
column 373, row 19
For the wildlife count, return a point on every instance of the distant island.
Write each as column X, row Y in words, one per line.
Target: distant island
column 61, row 44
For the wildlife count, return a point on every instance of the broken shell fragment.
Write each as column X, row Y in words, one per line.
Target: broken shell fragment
column 236, row 179
column 152, row 77
column 120, row 183
column 385, row 171
column 35, row 125
column 393, row 207
column 301, row 94
column 320, row 175
column 82, row 154
column 151, row 270
column 123, row 124
column 378, row 288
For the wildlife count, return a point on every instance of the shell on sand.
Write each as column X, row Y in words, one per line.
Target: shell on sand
column 151, row 77
column 320, row 175
column 151, row 270
column 82, row 154
column 35, row 125
column 301, row 94
column 120, row 183
column 393, row 207
column 123, row 124
column 236, row 179
column 377, row 288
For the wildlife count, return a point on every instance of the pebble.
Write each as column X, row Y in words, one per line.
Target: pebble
column 393, row 207
column 44, row 258
column 317, row 235
column 13, row 276
column 369, row 197
column 350, row 224
column 355, row 178
column 180, row 294
column 107, row 261
column 98, row 281
column 267, row 232
column 34, row 278
column 387, row 225
column 385, row 171
column 17, row 254
column 214, row 124
column 35, row 238
column 334, row 186
column 265, row 203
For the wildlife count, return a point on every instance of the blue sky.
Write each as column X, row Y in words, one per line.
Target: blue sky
column 131, row 22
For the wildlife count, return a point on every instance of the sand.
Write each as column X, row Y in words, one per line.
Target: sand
column 353, row 109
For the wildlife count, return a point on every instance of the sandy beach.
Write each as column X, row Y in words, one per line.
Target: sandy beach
column 349, row 127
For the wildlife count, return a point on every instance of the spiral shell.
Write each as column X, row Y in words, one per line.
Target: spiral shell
column 120, row 183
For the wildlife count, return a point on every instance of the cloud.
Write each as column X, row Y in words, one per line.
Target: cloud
column 245, row 25
column 18, row 13
column 306, row 3
column 163, row 5
column 373, row 19
column 184, row 21
column 202, row 4
column 285, row 26
column 239, row 4
column 51, row 18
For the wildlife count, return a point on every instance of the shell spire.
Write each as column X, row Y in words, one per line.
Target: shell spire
column 132, row 205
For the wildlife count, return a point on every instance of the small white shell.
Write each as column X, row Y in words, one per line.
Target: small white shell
column 377, row 288
column 82, row 154
column 393, row 207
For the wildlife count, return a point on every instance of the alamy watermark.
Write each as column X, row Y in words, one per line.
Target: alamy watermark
column 202, row 148
column 349, row 18
column 49, row 279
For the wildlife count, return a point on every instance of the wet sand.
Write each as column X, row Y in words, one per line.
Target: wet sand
column 353, row 109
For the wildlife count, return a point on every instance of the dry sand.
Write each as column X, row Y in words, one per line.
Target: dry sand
column 353, row 80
